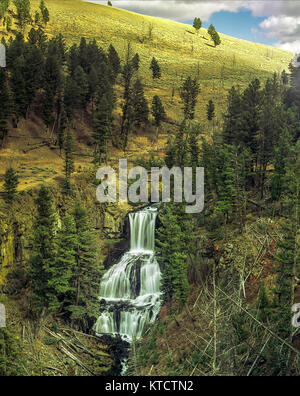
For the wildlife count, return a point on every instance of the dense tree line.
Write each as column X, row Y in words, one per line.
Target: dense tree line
column 252, row 159
column 64, row 272
column 63, row 82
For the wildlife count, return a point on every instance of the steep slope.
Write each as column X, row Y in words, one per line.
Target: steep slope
column 179, row 51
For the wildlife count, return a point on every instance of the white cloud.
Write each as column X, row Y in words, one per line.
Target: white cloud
column 292, row 46
column 282, row 21
column 285, row 29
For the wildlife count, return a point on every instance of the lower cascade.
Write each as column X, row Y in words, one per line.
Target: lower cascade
column 130, row 290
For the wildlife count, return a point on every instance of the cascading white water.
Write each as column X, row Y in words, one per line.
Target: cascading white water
column 130, row 290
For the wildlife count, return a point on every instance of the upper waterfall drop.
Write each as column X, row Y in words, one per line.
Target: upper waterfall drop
column 130, row 290
column 142, row 226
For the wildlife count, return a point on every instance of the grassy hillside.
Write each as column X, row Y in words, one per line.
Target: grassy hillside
column 178, row 49
column 180, row 53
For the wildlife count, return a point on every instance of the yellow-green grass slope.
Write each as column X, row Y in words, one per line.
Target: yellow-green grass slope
column 180, row 53
column 178, row 49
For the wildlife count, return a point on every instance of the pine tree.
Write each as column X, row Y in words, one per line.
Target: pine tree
column 158, row 111
column 23, row 13
column 127, row 111
column 197, row 24
column 82, row 86
column 11, row 182
column 33, row 69
column 57, row 49
column 282, row 153
column 172, row 246
column 214, row 35
column 224, row 180
column 62, row 124
column 233, row 129
column 102, row 129
column 43, row 249
column 284, row 78
column 136, row 62
column 4, row 8
column 64, row 265
column 83, row 55
column 93, row 81
column 15, row 49
column 251, row 107
column 189, row 93
column 71, row 97
column 181, row 148
column 69, row 161
column 156, row 72
column 44, row 12
column 5, row 103
column 52, row 84
column 271, row 122
column 193, row 146
column 37, row 18
column 84, row 304
column 18, row 87
column 11, row 354
column 114, row 60
column 210, row 110
column 139, row 104
column 73, row 59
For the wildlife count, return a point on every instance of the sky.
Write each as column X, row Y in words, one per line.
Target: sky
column 273, row 22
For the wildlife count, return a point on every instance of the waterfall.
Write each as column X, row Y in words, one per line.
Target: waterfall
column 130, row 290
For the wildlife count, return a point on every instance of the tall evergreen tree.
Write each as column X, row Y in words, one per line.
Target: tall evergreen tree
column 214, row 35
column 282, row 153
column 158, row 112
column 127, row 111
column 52, row 84
column 154, row 66
column 44, row 12
column 5, row 103
column 189, row 93
column 114, row 60
column 271, row 123
column 136, row 62
column 18, row 87
column 233, row 129
column 82, row 86
column 251, row 108
column 69, row 160
column 84, row 305
column 172, row 245
column 210, row 110
column 139, row 104
column 11, row 354
column 43, row 250
column 197, row 24
column 11, row 182
column 61, row 123
column 102, row 129
column 63, row 267
column 33, row 69
column 22, row 13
